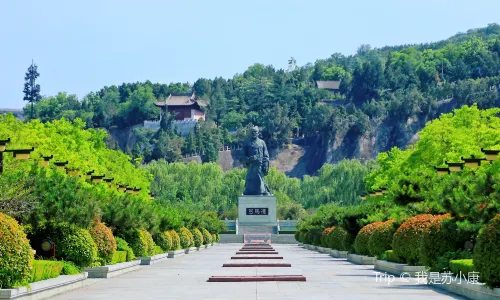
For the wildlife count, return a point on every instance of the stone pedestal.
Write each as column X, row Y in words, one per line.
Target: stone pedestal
column 257, row 210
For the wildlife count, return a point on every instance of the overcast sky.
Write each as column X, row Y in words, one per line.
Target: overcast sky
column 81, row 46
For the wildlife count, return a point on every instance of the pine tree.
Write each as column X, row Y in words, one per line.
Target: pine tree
column 31, row 89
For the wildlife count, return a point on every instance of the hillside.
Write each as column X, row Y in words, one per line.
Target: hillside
column 384, row 98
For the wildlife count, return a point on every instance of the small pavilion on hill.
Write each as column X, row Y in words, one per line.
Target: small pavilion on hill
column 185, row 106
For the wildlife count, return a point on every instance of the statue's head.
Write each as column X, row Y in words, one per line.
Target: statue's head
column 254, row 132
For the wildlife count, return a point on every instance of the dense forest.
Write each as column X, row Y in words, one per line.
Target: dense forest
column 394, row 85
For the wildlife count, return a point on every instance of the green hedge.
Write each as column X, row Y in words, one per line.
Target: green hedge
column 72, row 243
column 390, row 256
column 362, row 241
column 15, row 252
column 104, row 240
column 70, row 268
column 186, row 238
column 207, row 237
column 340, row 239
column 119, row 257
column 229, row 232
column 122, row 245
column 487, row 253
column 462, row 265
column 287, row 231
column 408, row 237
column 176, row 241
column 197, row 237
column 140, row 241
column 381, row 238
column 45, row 269
column 164, row 240
column 157, row 250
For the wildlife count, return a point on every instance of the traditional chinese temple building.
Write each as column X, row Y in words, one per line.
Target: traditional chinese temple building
column 184, row 106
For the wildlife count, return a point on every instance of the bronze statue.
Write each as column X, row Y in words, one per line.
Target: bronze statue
column 257, row 162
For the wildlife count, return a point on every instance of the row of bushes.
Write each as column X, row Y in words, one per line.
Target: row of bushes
column 430, row 240
column 85, row 248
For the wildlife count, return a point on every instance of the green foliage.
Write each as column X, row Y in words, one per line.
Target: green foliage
column 361, row 243
column 157, row 250
column 390, row 256
column 487, row 253
column 122, row 245
column 164, row 240
column 46, row 269
column 341, row 183
column 214, row 237
column 442, row 236
column 119, row 257
column 217, row 237
column 409, row 236
column 73, row 243
column 186, row 238
column 207, row 237
column 324, row 236
column 287, row 232
column 462, row 267
column 141, row 242
column 197, row 237
column 381, row 238
column 176, row 241
column 340, row 239
column 70, row 268
column 17, row 258
column 104, row 240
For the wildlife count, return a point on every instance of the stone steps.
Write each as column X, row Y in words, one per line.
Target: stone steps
column 275, row 238
column 249, row 228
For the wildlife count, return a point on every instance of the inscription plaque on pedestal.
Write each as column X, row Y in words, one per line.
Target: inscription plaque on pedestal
column 257, row 209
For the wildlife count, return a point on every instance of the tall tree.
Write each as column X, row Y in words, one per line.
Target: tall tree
column 31, row 89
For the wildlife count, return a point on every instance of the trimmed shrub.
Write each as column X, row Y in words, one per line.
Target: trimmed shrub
column 185, row 238
column 122, row 245
column 407, row 239
column 164, row 240
column 297, row 236
column 141, row 242
column 487, row 253
column 119, row 257
column 72, row 243
column 440, row 237
column 16, row 260
column 462, row 265
column 104, row 240
column 328, row 238
column 157, row 250
column 313, row 236
column 70, row 268
column 361, row 243
column 197, row 237
column 390, row 256
column 302, row 237
column 381, row 238
column 46, row 269
column 214, row 237
column 207, row 237
column 324, row 235
column 217, row 237
column 340, row 239
column 176, row 241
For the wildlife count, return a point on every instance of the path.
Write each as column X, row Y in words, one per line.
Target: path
column 186, row 277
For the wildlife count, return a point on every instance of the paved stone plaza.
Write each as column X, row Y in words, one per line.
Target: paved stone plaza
column 186, row 277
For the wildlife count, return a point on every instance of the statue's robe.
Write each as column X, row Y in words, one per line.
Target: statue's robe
column 257, row 161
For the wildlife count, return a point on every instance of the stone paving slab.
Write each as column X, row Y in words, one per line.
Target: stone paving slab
column 185, row 277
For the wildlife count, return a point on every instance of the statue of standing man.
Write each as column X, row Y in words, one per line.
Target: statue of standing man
column 257, row 162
